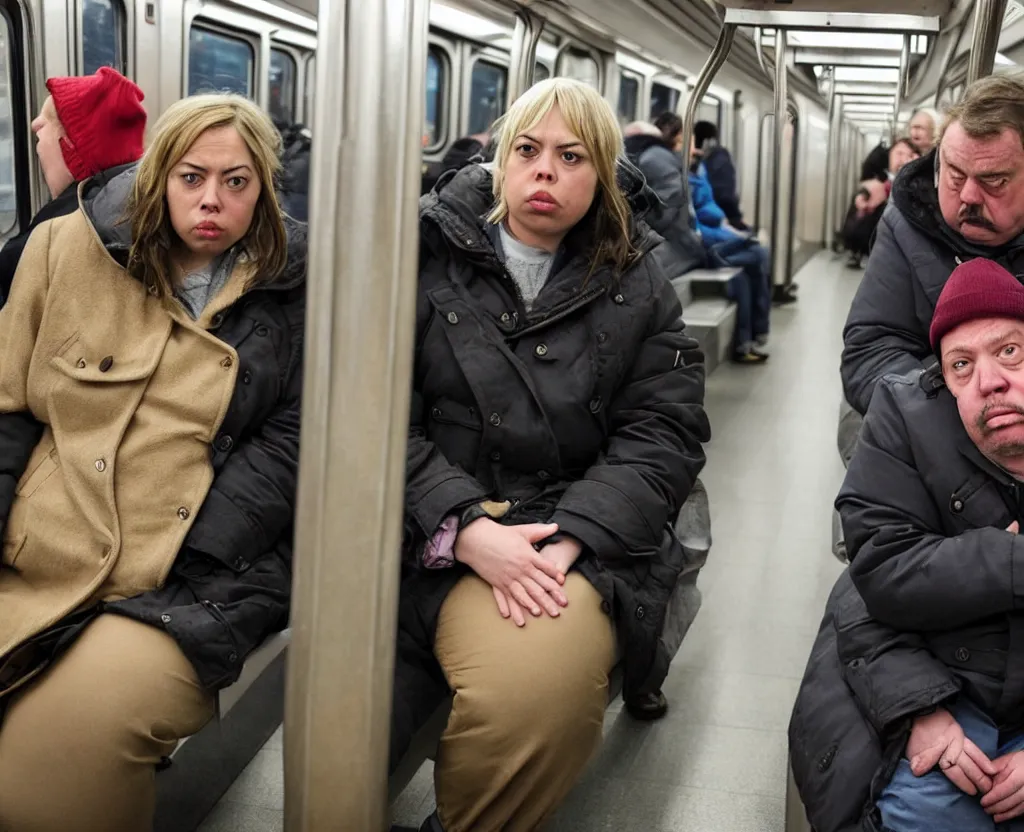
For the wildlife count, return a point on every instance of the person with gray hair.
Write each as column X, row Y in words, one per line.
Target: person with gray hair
column 963, row 201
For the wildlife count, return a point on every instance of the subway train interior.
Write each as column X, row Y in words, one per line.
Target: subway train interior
column 800, row 92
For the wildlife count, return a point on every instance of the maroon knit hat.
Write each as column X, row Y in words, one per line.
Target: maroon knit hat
column 103, row 118
column 979, row 288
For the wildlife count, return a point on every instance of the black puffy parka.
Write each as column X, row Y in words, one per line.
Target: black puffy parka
column 935, row 605
column 586, row 412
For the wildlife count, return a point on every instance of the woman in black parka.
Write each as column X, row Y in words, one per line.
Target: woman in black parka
column 557, row 428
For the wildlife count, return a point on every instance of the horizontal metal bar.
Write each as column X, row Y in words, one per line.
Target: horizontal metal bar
column 840, row 21
column 867, row 90
column 866, row 99
column 847, row 57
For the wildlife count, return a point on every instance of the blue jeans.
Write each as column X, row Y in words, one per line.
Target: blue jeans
column 932, row 803
column 750, row 290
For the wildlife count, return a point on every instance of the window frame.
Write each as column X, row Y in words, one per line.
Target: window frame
column 496, row 59
column 670, row 82
column 257, row 87
column 27, row 173
column 640, row 86
column 444, row 104
column 123, row 12
column 580, row 50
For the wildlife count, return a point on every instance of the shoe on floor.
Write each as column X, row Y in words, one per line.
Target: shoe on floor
column 648, row 707
column 751, row 356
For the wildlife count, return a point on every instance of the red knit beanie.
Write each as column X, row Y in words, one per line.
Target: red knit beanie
column 979, row 288
column 103, row 118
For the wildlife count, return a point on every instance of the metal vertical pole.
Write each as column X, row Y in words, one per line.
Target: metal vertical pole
column 780, row 232
column 524, row 52
column 831, row 173
column 901, row 86
column 358, row 365
column 711, row 67
column 988, row 23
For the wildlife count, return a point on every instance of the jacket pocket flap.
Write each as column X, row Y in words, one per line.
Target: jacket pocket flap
column 82, row 365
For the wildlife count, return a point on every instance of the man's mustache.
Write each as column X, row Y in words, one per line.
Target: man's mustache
column 972, row 215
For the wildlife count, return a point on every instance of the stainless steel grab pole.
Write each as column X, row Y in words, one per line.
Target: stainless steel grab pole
column 780, row 229
column 711, row 67
column 988, row 23
column 359, row 342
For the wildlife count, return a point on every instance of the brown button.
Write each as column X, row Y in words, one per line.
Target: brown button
column 101, row 465
column 184, row 513
column 81, row 364
column 226, row 363
column 106, row 363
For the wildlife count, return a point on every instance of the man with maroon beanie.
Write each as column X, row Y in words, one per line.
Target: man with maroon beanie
column 90, row 126
column 932, row 650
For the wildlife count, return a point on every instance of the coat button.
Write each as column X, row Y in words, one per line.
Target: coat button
column 453, row 318
column 165, row 618
column 957, row 505
column 81, row 364
column 247, row 377
column 153, row 291
column 184, row 513
column 435, row 412
column 101, row 465
column 606, row 608
column 495, row 456
column 619, row 299
column 232, row 657
column 495, row 419
column 640, row 612
column 106, row 363
column 602, row 337
column 541, row 350
column 262, row 331
column 543, row 476
column 240, row 563
column 506, row 318
column 217, row 319
column 825, row 763
column 225, row 444
column 595, row 404
column 227, row 363
column 963, row 654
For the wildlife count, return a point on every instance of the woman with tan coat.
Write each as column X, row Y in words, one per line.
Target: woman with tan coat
column 150, row 373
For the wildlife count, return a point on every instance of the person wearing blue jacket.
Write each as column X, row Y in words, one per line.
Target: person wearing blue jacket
column 728, row 247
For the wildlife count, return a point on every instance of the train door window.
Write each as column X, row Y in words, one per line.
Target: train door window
column 578, row 64
column 629, row 96
column 8, row 150
column 664, row 99
column 102, row 28
column 488, row 87
column 710, row 109
column 283, row 75
column 219, row 62
column 540, row 72
column 437, row 89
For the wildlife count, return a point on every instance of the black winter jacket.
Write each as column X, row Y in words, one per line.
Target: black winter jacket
column 914, row 253
column 230, row 586
column 587, row 412
column 940, row 608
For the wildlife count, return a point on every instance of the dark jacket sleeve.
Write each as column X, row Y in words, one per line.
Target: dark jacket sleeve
column 654, row 452
column 722, row 177
column 911, row 576
column 882, row 334
column 252, row 500
column 892, row 673
column 665, row 178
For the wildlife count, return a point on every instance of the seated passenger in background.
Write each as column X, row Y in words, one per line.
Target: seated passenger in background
column 88, row 127
column 468, row 149
column 720, row 172
column 672, row 218
column 751, row 289
column 557, row 404
column 931, row 508
column 150, row 373
column 870, row 200
column 965, row 200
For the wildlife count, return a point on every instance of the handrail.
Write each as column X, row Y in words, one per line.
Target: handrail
column 348, row 523
column 711, row 66
column 525, row 38
column 988, row 23
column 901, row 87
column 761, row 59
column 830, row 160
column 780, row 252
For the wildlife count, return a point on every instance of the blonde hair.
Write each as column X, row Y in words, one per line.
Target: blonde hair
column 265, row 243
column 592, row 121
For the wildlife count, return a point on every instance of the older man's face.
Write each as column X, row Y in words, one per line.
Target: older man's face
column 983, row 365
column 981, row 185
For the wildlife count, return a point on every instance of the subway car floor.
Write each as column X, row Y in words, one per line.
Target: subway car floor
column 718, row 761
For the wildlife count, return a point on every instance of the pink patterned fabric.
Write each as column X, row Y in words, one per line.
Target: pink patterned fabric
column 439, row 553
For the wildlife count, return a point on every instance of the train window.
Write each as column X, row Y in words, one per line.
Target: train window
column 578, row 64
column 283, row 75
column 101, row 40
column 219, row 62
column 710, row 109
column 487, row 91
column 437, row 86
column 629, row 95
column 663, row 100
column 540, row 72
column 8, row 151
